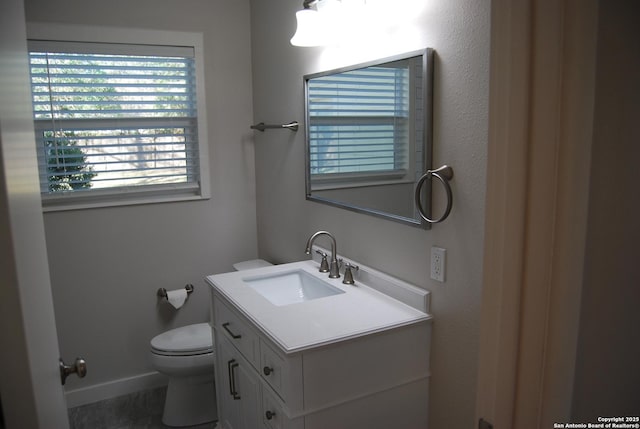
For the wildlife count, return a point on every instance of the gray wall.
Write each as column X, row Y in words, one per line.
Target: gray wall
column 458, row 30
column 106, row 264
column 607, row 380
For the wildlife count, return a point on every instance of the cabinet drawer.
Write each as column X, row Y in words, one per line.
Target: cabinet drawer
column 272, row 368
column 283, row 374
column 273, row 416
column 237, row 330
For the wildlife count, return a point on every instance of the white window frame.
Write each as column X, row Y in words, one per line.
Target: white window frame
column 70, row 200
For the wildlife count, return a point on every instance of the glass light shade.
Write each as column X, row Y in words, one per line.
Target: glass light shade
column 310, row 30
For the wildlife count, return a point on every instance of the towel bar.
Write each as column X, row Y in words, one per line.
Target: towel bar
column 293, row 126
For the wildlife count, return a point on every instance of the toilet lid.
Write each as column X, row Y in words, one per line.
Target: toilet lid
column 187, row 339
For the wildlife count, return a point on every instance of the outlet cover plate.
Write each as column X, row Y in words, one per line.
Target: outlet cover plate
column 438, row 263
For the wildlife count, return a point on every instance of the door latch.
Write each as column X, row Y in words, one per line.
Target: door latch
column 79, row 367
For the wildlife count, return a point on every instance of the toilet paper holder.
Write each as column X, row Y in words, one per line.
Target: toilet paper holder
column 162, row 292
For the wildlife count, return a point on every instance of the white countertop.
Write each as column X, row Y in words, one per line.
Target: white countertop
column 295, row 327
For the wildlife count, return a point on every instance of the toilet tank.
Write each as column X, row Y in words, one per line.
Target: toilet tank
column 249, row 265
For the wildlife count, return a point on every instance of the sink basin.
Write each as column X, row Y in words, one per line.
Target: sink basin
column 291, row 287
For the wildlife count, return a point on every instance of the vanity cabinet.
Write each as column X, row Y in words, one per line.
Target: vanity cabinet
column 376, row 380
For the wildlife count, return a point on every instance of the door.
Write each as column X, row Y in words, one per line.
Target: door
column 540, row 120
column 238, row 388
column 228, row 407
column 248, row 388
column 30, row 389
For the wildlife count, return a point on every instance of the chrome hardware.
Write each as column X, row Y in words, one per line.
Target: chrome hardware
column 266, row 370
column 293, row 126
column 324, row 265
column 79, row 367
column 444, row 174
column 269, row 415
column 334, row 271
column 231, row 366
column 348, row 275
column 226, row 328
column 162, row 292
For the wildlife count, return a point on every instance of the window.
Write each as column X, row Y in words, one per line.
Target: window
column 359, row 124
column 117, row 123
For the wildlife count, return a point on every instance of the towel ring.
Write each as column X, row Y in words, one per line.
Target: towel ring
column 443, row 174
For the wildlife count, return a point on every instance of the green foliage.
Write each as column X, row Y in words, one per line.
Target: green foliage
column 67, row 166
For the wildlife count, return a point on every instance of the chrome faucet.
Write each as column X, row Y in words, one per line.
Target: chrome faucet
column 334, row 271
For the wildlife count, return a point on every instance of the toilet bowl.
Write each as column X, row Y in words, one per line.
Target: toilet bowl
column 186, row 356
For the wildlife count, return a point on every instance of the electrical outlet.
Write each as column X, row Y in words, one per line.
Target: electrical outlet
column 438, row 263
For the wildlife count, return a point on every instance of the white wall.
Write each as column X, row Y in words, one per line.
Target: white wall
column 107, row 264
column 458, row 30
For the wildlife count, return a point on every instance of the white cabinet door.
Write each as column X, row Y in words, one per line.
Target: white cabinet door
column 248, row 389
column 238, row 388
column 228, row 407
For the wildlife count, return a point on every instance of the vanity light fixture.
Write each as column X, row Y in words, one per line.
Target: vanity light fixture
column 310, row 26
column 325, row 22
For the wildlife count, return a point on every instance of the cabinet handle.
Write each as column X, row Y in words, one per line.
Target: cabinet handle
column 226, row 328
column 236, row 396
column 230, row 376
column 269, row 415
column 231, row 366
column 266, row 370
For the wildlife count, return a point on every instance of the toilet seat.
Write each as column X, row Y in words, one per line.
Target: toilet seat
column 184, row 341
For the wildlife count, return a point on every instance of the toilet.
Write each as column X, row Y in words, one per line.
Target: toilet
column 186, row 356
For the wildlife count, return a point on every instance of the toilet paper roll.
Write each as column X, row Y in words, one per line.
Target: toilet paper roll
column 177, row 297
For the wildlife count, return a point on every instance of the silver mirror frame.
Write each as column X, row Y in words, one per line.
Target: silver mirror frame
column 427, row 55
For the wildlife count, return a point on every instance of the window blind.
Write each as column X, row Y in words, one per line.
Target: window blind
column 358, row 121
column 111, row 117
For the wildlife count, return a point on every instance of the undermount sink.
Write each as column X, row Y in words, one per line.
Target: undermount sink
column 291, row 287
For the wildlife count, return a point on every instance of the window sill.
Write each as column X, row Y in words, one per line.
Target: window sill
column 107, row 198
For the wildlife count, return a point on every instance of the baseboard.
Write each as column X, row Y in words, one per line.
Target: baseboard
column 112, row 389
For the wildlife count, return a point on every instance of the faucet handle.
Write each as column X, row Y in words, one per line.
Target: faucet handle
column 348, row 275
column 324, row 265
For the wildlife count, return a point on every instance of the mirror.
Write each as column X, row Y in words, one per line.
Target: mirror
column 368, row 136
